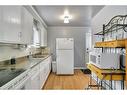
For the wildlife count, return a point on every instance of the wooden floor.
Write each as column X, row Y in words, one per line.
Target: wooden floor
column 78, row 81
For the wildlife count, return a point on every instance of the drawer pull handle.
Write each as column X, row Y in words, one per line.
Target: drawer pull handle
column 10, row 87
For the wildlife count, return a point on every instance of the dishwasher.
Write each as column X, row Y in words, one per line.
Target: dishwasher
column 23, row 83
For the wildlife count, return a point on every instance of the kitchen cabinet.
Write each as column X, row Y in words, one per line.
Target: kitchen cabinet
column 35, row 82
column 45, row 68
column 35, row 77
column 43, row 36
column 11, row 24
column 40, row 73
column 27, row 26
column 1, row 28
column 15, row 25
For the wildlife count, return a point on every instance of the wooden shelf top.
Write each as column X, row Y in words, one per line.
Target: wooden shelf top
column 113, row 44
column 116, row 74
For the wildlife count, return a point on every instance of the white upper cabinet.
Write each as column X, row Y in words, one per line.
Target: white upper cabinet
column 15, row 25
column 27, row 25
column 11, row 24
column 43, row 37
column 1, row 26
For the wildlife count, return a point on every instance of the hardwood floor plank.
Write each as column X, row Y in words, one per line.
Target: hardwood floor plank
column 78, row 81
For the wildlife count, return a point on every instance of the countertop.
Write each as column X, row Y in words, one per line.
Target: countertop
column 8, row 72
column 24, row 63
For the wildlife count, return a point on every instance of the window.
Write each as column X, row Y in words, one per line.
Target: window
column 36, row 34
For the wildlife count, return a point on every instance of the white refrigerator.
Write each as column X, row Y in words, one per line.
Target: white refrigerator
column 65, row 55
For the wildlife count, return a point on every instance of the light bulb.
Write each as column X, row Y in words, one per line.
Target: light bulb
column 66, row 19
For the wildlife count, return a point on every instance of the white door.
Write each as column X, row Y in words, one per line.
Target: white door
column 65, row 62
column 64, row 43
column 88, row 46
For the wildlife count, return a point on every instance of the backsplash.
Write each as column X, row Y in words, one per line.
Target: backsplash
column 45, row 51
column 8, row 52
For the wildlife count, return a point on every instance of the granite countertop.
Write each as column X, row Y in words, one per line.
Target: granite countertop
column 24, row 63
column 8, row 71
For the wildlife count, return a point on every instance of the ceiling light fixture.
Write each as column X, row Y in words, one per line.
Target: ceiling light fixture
column 66, row 19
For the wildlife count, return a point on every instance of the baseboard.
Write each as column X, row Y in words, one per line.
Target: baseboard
column 79, row 67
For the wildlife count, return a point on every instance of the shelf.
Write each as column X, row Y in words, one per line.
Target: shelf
column 111, row 44
column 119, row 26
column 106, row 73
column 116, row 23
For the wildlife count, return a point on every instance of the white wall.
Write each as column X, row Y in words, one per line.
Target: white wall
column 104, row 16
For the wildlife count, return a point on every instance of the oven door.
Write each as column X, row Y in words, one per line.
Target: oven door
column 24, row 85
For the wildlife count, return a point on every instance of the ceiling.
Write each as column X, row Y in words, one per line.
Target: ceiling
column 81, row 15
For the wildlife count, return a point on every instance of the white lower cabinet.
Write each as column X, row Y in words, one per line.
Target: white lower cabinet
column 35, row 81
column 35, row 77
column 45, row 69
column 42, row 78
column 40, row 73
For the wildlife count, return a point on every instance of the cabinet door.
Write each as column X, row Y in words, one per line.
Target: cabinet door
column 43, row 36
column 11, row 23
column 42, row 76
column 47, row 70
column 35, row 81
column 1, row 25
column 27, row 25
column 50, row 62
